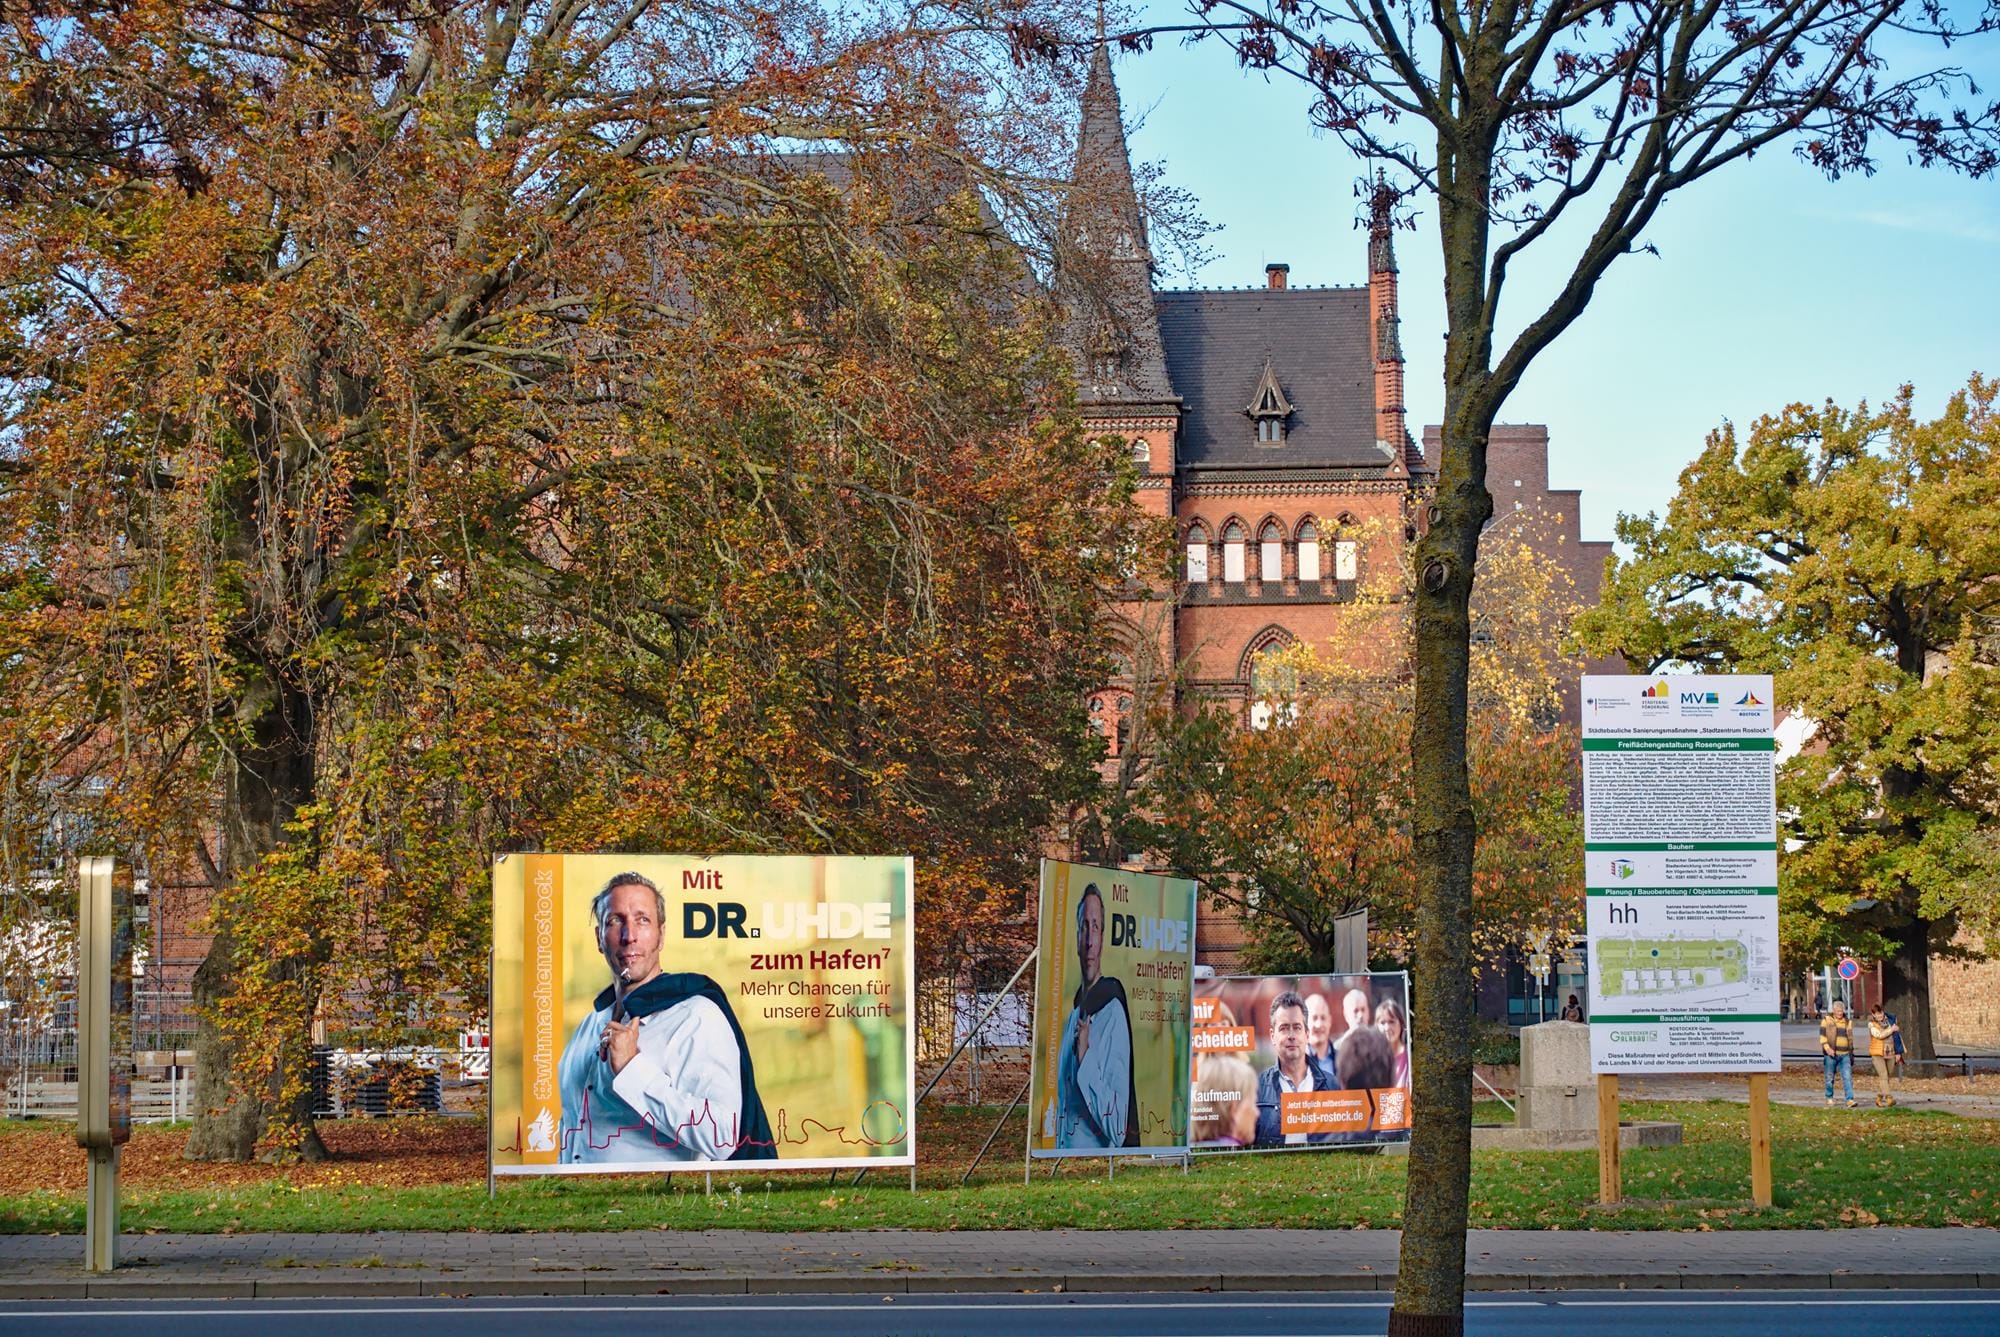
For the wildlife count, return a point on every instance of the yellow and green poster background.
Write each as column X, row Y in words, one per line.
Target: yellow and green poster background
column 813, row 955
column 1110, row 1065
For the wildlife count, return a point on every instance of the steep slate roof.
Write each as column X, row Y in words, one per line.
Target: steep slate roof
column 1317, row 342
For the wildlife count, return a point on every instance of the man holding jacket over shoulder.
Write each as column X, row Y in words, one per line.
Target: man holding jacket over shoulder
column 1097, row 1101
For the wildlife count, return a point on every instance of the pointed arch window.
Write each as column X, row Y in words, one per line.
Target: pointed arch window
column 1197, row 556
column 1234, row 541
column 1269, row 408
column 1111, row 720
column 1274, row 688
column 1308, row 552
column 1271, row 554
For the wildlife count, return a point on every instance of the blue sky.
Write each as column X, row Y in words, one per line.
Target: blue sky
column 1772, row 285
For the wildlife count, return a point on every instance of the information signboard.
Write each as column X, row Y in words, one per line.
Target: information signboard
column 1681, row 873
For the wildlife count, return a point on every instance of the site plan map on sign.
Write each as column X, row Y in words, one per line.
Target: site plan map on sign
column 1696, row 970
column 1681, row 873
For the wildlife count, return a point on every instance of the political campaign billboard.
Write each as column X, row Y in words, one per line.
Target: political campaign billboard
column 671, row 1012
column 1288, row 1062
column 1109, row 1072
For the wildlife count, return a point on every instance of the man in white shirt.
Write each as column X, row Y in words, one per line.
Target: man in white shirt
column 659, row 1070
column 1096, row 1096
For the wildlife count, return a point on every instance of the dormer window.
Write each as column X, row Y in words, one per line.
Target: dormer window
column 1269, row 408
column 1107, row 355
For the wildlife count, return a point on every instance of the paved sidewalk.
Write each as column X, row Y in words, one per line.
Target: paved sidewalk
column 894, row 1261
column 1681, row 1086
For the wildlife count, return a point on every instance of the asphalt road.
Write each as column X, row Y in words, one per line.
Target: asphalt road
column 1488, row 1314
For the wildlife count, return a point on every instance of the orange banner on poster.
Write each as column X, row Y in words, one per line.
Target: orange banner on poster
column 542, row 1017
column 1224, row 1039
column 1385, row 1109
column 1204, row 1011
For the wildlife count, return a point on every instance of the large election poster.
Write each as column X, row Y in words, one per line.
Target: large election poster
column 1299, row 1061
column 670, row 1012
column 1681, row 873
column 1110, row 1047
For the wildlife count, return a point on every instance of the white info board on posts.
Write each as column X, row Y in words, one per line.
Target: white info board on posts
column 1680, row 831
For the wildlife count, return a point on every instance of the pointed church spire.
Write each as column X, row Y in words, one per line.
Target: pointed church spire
column 1391, row 428
column 1381, row 226
column 1114, row 330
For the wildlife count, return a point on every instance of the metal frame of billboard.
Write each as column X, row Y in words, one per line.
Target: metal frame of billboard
column 1409, row 1042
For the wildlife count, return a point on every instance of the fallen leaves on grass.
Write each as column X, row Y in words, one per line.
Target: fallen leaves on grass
column 381, row 1153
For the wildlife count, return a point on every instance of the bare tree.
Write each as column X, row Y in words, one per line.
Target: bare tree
column 1562, row 127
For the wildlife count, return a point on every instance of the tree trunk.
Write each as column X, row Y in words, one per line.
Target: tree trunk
column 273, row 778
column 1906, row 987
column 227, row 1123
column 1430, row 1276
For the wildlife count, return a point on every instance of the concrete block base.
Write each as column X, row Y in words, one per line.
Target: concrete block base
column 1632, row 1133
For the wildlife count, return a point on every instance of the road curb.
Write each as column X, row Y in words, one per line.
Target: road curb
column 933, row 1283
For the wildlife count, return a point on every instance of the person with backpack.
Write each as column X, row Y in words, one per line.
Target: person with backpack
column 1882, row 1036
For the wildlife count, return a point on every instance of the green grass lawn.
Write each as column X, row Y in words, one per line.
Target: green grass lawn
column 1831, row 1168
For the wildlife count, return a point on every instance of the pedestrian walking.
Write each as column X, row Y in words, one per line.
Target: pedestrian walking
column 1882, row 1035
column 1898, row 1040
column 1836, row 1047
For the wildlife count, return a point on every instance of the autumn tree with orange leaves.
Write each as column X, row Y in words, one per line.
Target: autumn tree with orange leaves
column 442, row 429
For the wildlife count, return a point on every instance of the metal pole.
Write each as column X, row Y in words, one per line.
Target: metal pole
column 1007, row 1114
column 959, row 1048
column 101, row 1213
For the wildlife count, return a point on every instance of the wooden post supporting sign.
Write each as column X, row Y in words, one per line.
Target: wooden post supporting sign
column 1608, row 1187
column 1760, row 1138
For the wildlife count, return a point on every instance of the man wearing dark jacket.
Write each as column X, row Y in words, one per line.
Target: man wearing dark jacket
column 1295, row 1071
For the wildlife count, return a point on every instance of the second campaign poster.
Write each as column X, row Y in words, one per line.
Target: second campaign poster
column 1110, row 1051
column 1294, row 1061
column 668, row 1012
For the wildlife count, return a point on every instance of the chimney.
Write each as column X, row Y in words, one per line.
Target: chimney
column 1274, row 276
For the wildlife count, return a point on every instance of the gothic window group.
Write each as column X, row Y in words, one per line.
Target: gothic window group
column 1268, row 557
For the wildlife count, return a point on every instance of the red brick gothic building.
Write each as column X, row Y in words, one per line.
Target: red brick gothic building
column 1268, row 424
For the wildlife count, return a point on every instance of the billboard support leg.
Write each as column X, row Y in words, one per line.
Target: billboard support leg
column 101, row 1210
column 708, row 1182
column 1609, row 1190
column 1005, row 1115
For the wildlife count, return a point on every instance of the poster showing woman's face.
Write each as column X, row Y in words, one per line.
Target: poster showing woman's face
column 1286, row 1062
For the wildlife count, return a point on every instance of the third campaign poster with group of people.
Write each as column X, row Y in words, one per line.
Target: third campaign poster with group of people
column 1301, row 1061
